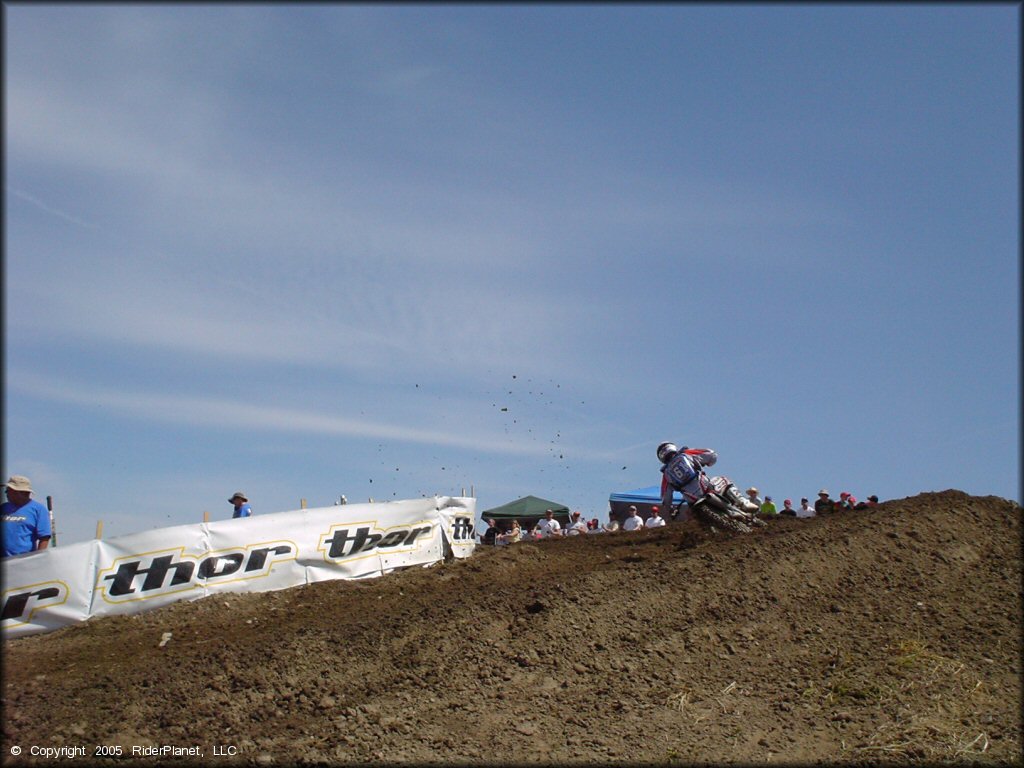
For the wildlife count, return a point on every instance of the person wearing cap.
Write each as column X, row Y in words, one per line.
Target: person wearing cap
column 241, row 504
column 823, row 504
column 768, row 508
column 806, row 510
column 26, row 521
column 548, row 526
column 871, row 502
column 576, row 525
column 655, row 520
column 846, row 501
column 787, row 508
column 633, row 521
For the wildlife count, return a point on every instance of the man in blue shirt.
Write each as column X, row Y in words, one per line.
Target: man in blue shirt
column 26, row 522
column 242, row 508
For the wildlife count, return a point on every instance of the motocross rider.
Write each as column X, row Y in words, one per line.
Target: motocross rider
column 681, row 471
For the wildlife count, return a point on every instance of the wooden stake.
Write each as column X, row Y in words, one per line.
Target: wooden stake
column 53, row 523
column 206, row 517
column 302, row 503
column 99, row 529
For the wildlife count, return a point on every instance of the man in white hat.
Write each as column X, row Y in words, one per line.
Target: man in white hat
column 26, row 521
column 753, row 497
column 824, row 503
column 242, row 508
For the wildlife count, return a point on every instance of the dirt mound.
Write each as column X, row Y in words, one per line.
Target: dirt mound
column 885, row 635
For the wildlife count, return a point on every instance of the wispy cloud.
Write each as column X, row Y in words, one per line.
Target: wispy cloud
column 51, row 210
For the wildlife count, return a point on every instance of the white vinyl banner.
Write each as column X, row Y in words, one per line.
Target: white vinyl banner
column 50, row 589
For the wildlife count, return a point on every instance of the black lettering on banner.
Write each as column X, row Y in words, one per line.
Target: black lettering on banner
column 21, row 603
column 339, row 542
column 258, row 557
column 462, row 529
column 175, row 571
column 208, row 567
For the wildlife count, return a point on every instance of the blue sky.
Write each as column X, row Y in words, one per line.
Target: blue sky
column 392, row 251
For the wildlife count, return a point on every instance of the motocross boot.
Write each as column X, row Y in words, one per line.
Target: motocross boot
column 733, row 494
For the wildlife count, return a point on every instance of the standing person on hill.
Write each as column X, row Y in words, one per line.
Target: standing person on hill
column 768, row 508
column 754, row 498
column 824, row 504
column 489, row 537
column 787, row 508
column 548, row 526
column 846, row 501
column 576, row 525
column 806, row 510
column 655, row 520
column 511, row 536
column 633, row 521
column 26, row 522
column 241, row 504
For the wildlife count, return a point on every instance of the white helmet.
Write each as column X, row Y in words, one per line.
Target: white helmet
column 666, row 451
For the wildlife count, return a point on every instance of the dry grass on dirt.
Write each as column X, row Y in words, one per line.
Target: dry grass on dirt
column 890, row 635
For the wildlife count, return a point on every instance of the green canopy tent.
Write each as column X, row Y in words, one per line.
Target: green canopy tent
column 527, row 510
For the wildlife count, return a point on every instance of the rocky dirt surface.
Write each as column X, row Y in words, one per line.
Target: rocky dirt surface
column 890, row 635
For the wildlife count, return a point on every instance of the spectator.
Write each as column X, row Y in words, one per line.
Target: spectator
column 511, row 536
column 576, row 525
column 805, row 509
column 612, row 526
column 633, row 521
column 26, row 521
column 655, row 520
column 768, row 508
column 753, row 497
column 241, row 504
column 548, row 526
column 846, row 501
column 823, row 504
column 787, row 508
column 490, row 536
column 594, row 526
column 871, row 502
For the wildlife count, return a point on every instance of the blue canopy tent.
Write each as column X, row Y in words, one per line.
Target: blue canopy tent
column 643, row 499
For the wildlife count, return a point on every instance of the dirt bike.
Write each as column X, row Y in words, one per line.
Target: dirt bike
column 718, row 506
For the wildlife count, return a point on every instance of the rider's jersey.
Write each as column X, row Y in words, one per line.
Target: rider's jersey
column 682, row 473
